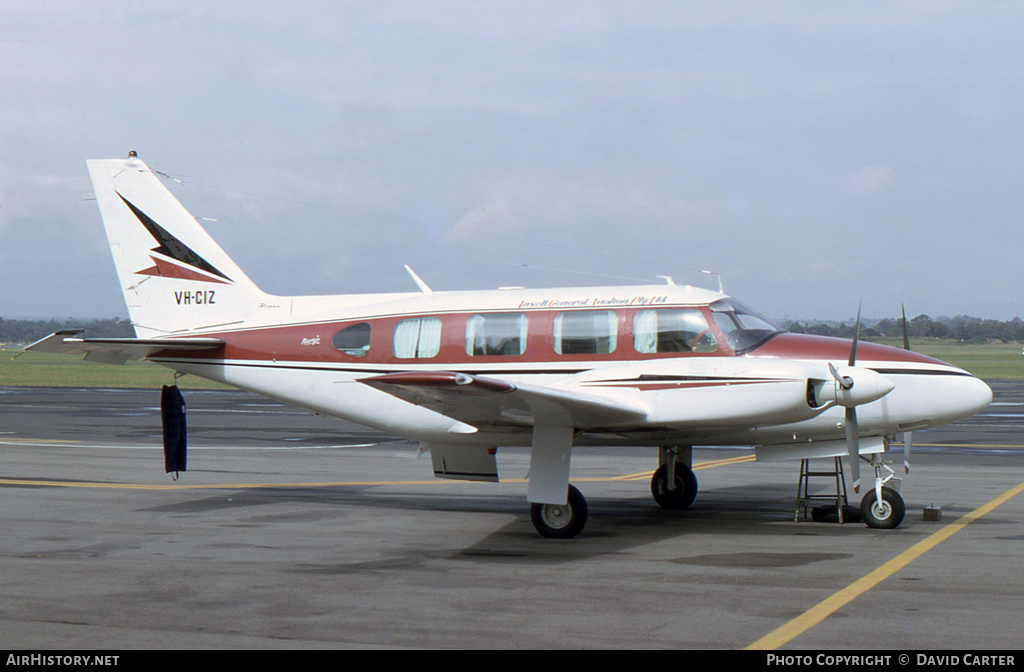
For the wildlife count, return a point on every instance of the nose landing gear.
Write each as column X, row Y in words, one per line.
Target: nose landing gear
column 882, row 507
column 885, row 513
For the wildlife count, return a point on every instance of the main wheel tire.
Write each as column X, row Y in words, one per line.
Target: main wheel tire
column 561, row 521
column 683, row 494
column 884, row 515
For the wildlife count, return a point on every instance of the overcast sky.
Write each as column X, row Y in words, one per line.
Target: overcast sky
column 814, row 154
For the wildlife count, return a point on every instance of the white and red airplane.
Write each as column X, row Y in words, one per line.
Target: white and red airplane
column 467, row 372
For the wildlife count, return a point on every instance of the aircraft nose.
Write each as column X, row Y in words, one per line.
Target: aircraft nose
column 974, row 396
column 940, row 399
column 960, row 397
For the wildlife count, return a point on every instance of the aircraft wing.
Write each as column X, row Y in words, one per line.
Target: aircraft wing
column 117, row 350
column 488, row 402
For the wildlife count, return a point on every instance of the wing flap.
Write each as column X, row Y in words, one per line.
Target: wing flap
column 117, row 350
column 496, row 404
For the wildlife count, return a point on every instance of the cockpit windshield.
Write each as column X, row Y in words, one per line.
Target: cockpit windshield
column 743, row 327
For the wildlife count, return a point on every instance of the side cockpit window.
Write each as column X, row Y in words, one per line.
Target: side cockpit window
column 672, row 330
column 354, row 340
column 743, row 327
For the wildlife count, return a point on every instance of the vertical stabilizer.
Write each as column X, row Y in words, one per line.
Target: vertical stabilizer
column 175, row 278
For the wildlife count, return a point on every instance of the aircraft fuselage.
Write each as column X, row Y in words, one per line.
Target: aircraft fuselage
column 601, row 342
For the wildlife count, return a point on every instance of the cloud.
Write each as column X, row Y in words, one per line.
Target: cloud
column 871, row 180
column 489, row 218
column 591, row 135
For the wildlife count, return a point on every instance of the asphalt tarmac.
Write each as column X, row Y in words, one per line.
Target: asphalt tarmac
column 293, row 531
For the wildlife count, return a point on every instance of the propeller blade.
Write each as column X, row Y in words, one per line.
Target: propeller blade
column 856, row 337
column 908, row 438
column 906, row 338
column 853, row 446
column 852, row 434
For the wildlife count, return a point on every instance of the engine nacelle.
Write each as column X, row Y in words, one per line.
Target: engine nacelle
column 854, row 387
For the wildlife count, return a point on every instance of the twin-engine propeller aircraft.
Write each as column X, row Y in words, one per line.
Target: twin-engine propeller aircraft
column 465, row 373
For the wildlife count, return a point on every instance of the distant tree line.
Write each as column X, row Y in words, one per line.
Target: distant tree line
column 961, row 328
column 29, row 331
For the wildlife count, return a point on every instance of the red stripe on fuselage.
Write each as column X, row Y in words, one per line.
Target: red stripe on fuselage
column 311, row 343
column 683, row 385
column 809, row 346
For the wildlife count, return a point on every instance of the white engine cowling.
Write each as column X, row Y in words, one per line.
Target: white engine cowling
column 858, row 386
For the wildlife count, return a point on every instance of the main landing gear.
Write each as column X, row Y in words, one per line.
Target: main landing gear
column 561, row 521
column 673, row 485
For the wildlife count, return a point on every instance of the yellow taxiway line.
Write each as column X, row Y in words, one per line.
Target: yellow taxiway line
column 211, row 486
column 331, row 484
column 697, row 467
column 816, row 614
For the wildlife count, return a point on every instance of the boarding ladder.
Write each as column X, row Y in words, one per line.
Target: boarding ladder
column 804, row 499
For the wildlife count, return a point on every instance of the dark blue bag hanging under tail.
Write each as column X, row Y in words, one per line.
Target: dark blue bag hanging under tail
column 172, row 411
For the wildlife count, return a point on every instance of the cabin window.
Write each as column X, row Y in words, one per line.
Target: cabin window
column 672, row 330
column 418, row 338
column 354, row 340
column 496, row 334
column 589, row 332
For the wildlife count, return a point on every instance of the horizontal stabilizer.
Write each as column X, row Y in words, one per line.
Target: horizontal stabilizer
column 117, row 350
column 488, row 402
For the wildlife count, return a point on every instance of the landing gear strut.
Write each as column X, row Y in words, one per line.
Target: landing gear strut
column 673, row 485
column 882, row 507
column 561, row 521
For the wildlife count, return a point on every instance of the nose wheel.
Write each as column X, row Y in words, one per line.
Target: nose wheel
column 882, row 508
column 885, row 513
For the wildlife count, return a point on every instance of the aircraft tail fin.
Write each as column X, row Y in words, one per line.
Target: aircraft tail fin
column 175, row 278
